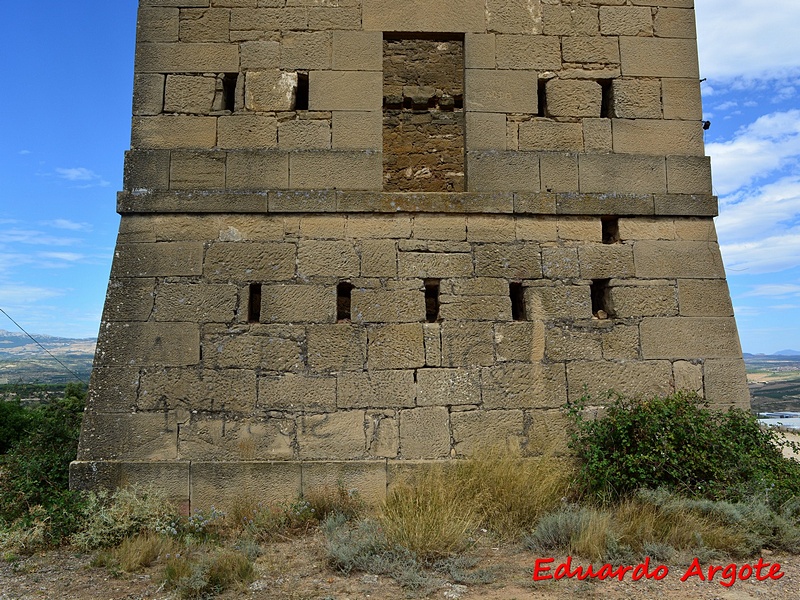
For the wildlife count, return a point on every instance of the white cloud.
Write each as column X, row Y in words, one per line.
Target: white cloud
column 34, row 237
column 67, row 224
column 23, row 152
column 65, row 256
column 81, row 174
column 20, row 295
column 748, row 40
column 757, row 150
column 767, row 255
column 774, row 290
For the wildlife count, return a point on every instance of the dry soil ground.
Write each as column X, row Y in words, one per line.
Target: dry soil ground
column 296, row 570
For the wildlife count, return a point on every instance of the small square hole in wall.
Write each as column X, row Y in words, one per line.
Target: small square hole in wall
column 229, row 81
column 607, row 101
column 601, row 299
column 610, row 230
column 301, row 95
column 517, row 294
column 431, row 300
column 344, row 294
column 541, row 97
column 254, row 303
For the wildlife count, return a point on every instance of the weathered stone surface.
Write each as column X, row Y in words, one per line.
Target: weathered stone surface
column 467, row 344
column 298, row 303
column 249, row 261
column 164, row 344
column 690, row 337
column 517, row 385
column 388, row 306
column 424, row 432
column 446, row 387
column 631, row 378
column 334, row 348
column 338, row 435
column 424, row 15
column 657, row 259
column 726, row 383
column 519, row 341
column 297, row 393
column 653, row 299
column 200, row 303
column 210, row 438
column 396, row 346
column 688, row 376
column 476, row 430
column 704, row 298
column 224, row 484
column 132, row 436
column 375, row 389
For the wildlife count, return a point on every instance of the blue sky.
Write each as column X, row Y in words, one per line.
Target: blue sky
column 68, row 71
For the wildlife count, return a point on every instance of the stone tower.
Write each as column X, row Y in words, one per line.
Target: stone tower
column 358, row 235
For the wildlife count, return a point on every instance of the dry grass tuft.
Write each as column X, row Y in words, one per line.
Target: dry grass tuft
column 141, row 551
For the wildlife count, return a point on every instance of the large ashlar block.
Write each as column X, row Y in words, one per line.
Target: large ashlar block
column 467, row 344
column 357, row 51
column 552, row 136
column 479, row 51
column 558, row 301
column 187, row 58
column 666, row 259
column 487, row 131
column 688, row 376
column 632, row 378
column 148, row 94
column 249, row 261
column 171, row 477
column 174, row 131
column 334, row 348
column 259, row 55
column 704, row 298
column 298, row 303
column 440, row 227
column 256, row 170
column 519, row 385
column 378, row 258
column 294, row 392
column 626, row 20
column 338, row 435
column 207, row 437
column 475, row 308
column 388, row 306
column 269, row 17
column 564, row 343
column 304, row 134
column 520, row 341
column 726, row 383
column 503, row 172
column 511, row 261
column 368, row 478
column 506, row 91
column 375, row 389
column 194, row 302
column 434, row 264
column 644, row 136
column 636, row 98
column 476, row 430
column 205, row 25
column 689, row 174
column 345, row 90
column 538, row 52
column 651, row 299
column 447, row 387
column 207, row 390
column 425, row 432
column 335, row 170
column 304, row 50
column 160, row 259
column 157, row 24
column 132, row 436
column 424, row 15
column 573, row 98
column 395, row 346
column 514, row 16
column 569, row 20
column 559, row 172
column 266, row 347
column 167, row 344
column 146, row 170
column 357, row 130
column 690, row 337
column 590, row 49
column 623, row 173
column 675, row 23
column 604, row 261
column 658, row 57
column 326, row 258
column 247, row 131
column 681, row 99
column 270, row 90
column 193, row 170
column 224, row 484
column 116, row 387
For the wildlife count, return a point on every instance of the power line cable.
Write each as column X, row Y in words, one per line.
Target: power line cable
column 55, row 358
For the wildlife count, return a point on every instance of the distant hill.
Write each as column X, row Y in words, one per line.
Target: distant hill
column 24, row 361
column 787, row 353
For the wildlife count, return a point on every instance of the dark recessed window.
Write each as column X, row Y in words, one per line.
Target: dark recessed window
column 517, row 294
column 254, row 303
column 344, row 293
column 431, row 300
column 601, row 299
column 301, row 98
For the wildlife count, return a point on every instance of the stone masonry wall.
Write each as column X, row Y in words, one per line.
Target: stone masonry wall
column 295, row 302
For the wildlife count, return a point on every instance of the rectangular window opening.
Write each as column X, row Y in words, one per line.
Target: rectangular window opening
column 254, row 303
column 606, row 105
column 344, row 293
column 229, row 91
column 610, row 230
column 301, row 96
column 601, row 299
column 431, row 300
column 517, row 294
column 542, row 98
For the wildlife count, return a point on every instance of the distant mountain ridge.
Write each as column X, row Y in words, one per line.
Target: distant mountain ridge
column 11, row 340
column 787, row 353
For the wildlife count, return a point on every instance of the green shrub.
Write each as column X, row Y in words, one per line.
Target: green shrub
column 678, row 443
column 34, row 471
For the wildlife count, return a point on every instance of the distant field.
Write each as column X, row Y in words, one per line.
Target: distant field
column 774, row 382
